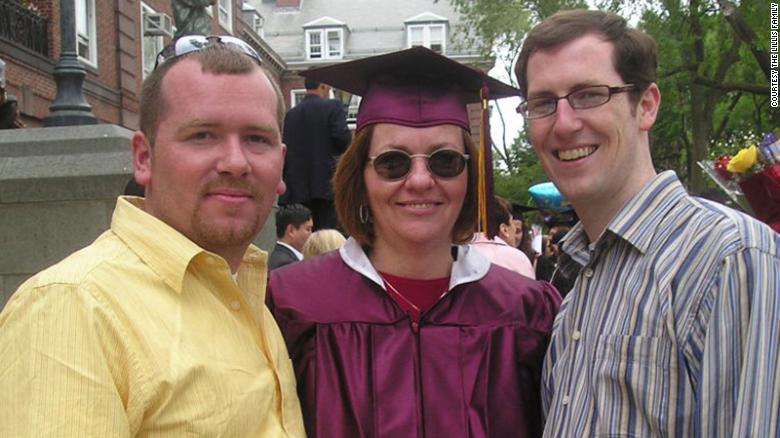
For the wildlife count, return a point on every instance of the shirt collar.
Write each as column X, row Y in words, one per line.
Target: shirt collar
column 482, row 238
column 640, row 218
column 635, row 223
column 469, row 266
column 291, row 248
column 165, row 250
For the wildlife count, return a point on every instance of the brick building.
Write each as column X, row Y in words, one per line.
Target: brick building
column 59, row 185
column 312, row 33
column 116, row 41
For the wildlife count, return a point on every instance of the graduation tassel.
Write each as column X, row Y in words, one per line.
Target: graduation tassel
column 485, row 198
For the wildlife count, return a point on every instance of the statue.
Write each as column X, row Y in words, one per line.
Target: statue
column 191, row 18
column 9, row 112
column 9, row 108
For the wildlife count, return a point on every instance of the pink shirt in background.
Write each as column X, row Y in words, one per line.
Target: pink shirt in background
column 501, row 254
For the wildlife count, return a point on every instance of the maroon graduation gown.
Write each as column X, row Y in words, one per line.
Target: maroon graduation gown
column 471, row 369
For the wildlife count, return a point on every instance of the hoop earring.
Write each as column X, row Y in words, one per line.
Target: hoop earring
column 364, row 214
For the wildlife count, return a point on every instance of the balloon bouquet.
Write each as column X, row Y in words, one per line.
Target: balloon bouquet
column 754, row 172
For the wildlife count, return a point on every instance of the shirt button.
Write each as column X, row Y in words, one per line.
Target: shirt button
column 565, row 400
column 588, row 273
column 235, row 305
column 576, row 335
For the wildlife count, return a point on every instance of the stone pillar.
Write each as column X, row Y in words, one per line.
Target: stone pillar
column 58, row 189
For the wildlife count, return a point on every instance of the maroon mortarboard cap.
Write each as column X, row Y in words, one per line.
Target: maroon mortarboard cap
column 416, row 87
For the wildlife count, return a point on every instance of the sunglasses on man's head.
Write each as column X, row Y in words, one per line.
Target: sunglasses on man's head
column 396, row 164
column 194, row 43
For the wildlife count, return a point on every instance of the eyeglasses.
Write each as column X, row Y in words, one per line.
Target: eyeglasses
column 193, row 43
column 583, row 98
column 396, row 164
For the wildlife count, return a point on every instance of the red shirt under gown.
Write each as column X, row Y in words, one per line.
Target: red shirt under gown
column 470, row 369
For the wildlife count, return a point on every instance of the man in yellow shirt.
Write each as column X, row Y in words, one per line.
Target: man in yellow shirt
column 159, row 328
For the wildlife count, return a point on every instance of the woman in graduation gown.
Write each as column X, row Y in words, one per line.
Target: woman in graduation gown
column 406, row 331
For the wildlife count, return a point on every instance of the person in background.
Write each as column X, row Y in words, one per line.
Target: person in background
column 523, row 231
column 158, row 327
column 671, row 328
column 558, row 279
column 405, row 331
column 316, row 133
column 322, row 241
column 293, row 228
column 547, row 263
column 502, row 249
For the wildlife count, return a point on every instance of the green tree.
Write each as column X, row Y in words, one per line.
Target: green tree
column 713, row 70
column 527, row 171
column 713, row 80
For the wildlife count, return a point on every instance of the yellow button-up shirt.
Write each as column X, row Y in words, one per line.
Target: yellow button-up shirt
column 143, row 333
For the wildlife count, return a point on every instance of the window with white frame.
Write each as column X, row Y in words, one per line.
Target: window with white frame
column 352, row 110
column 296, row 96
column 226, row 14
column 86, row 35
column 432, row 36
column 152, row 43
column 258, row 25
column 327, row 43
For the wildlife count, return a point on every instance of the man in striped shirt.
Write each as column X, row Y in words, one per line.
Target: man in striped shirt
column 673, row 323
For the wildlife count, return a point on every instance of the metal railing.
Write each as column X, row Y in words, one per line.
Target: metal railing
column 24, row 27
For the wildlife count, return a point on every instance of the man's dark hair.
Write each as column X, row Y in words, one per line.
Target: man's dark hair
column 558, row 235
column 634, row 55
column 311, row 84
column 502, row 211
column 290, row 214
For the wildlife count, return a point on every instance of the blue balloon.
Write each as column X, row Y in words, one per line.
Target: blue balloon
column 547, row 197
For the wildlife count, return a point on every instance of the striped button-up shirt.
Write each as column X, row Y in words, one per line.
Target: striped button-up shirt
column 673, row 326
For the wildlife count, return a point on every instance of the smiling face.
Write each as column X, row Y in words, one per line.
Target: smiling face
column 421, row 209
column 599, row 157
column 216, row 165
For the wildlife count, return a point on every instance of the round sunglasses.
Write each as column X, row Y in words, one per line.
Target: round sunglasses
column 396, row 164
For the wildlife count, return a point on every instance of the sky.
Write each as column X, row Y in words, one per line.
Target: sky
column 513, row 121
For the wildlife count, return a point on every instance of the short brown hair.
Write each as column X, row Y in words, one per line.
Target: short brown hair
column 502, row 211
column 634, row 57
column 350, row 193
column 216, row 59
